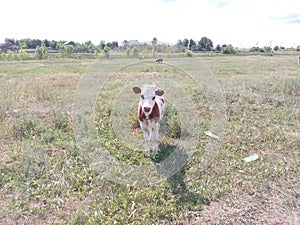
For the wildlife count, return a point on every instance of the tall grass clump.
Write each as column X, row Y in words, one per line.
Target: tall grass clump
column 292, row 87
column 61, row 120
column 27, row 126
column 171, row 122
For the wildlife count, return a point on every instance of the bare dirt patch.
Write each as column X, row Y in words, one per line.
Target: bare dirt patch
column 276, row 205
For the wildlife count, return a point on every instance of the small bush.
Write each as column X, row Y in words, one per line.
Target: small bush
column 11, row 55
column 229, row 49
column 172, row 122
column 27, row 127
column 41, row 52
column 292, row 87
column 188, row 53
column 49, row 136
column 61, row 120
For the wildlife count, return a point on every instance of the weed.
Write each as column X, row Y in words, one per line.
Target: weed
column 61, row 120
column 292, row 87
column 27, row 126
column 171, row 123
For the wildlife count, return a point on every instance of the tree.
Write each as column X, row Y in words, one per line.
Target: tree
column 89, row 46
column 68, row 50
column 218, row 48
column 115, row 44
column 60, row 47
column 268, row 51
column 41, row 52
column 229, row 49
column 22, row 44
column 10, row 40
column 46, row 43
column 128, row 52
column 125, row 43
column 134, row 52
column 179, row 43
column 34, row 43
column 179, row 47
column 154, row 52
column 154, row 41
column 102, row 44
column 22, row 54
column 257, row 49
column 205, row 44
column 112, row 45
column 106, row 51
column 65, row 50
column 185, row 43
column 192, row 44
column 53, row 44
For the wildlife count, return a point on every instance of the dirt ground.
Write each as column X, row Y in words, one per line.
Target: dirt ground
column 274, row 206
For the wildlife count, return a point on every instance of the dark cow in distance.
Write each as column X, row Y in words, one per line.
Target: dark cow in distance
column 159, row 60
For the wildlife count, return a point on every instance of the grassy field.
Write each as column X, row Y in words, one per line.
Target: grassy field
column 47, row 176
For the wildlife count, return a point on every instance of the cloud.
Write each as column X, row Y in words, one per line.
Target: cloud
column 292, row 18
column 220, row 3
column 289, row 18
column 168, row 1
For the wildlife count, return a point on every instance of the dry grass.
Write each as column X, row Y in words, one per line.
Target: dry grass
column 45, row 179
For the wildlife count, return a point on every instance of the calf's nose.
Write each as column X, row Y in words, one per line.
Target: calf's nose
column 147, row 109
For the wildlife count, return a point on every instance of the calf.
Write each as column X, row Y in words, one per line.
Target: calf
column 150, row 111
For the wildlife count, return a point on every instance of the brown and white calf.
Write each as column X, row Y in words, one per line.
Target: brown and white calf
column 150, row 111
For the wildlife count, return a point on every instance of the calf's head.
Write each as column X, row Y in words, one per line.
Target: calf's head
column 148, row 94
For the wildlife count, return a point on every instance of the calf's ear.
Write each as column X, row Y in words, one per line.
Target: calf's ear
column 136, row 90
column 159, row 92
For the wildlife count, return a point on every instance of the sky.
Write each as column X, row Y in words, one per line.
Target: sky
column 242, row 23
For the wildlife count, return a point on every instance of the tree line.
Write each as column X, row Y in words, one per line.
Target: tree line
column 86, row 47
column 17, row 49
column 204, row 44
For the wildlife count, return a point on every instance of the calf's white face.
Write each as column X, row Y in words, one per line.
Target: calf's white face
column 147, row 100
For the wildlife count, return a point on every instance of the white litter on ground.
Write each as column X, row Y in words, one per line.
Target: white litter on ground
column 208, row 133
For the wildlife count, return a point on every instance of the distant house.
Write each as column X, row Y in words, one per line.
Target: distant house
column 9, row 46
column 70, row 43
column 133, row 42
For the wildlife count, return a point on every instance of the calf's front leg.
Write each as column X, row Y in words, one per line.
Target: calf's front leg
column 147, row 141
column 155, row 138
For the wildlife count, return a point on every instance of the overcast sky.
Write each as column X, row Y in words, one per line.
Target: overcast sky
column 243, row 23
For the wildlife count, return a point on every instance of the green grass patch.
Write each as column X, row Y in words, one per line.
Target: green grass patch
column 46, row 178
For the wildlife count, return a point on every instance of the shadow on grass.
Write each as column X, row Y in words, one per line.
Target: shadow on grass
column 179, row 188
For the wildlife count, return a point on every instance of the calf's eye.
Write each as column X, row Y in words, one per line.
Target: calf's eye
column 142, row 97
column 153, row 98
